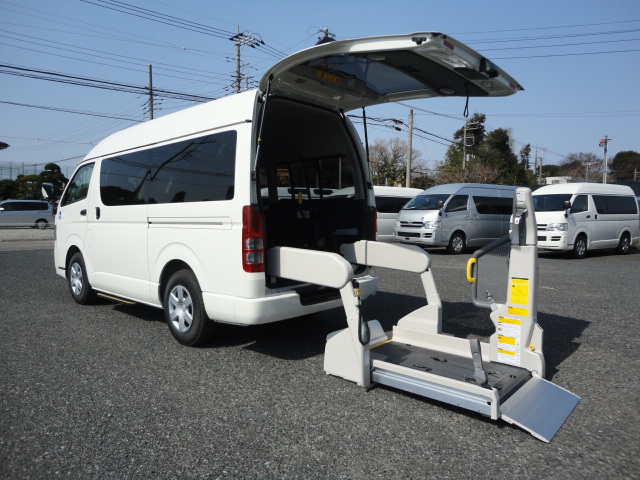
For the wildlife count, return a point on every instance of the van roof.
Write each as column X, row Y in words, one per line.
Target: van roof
column 574, row 188
column 455, row 187
column 385, row 191
column 197, row 120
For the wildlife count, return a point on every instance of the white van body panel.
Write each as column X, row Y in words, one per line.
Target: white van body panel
column 436, row 226
column 389, row 201
column 557, row 231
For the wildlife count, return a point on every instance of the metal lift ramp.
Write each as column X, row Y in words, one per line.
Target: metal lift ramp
column 500, row 379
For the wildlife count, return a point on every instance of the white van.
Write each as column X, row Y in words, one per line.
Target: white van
column 389, row 201
column 179, row 212
column 456, row 215
column 26, row 213
column 577, row 217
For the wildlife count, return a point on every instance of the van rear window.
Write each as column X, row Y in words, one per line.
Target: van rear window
column 196, row 170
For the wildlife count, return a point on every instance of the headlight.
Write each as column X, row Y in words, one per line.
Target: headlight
column 430, row 224
column 557, row 227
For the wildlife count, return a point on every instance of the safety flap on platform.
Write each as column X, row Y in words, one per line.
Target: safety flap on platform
column 539, row 407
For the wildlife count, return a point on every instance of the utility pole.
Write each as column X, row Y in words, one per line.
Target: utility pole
column 150, row 92
column 604, row 142
column 538, row 164
column 410, row 148
column 242, row 39
column 465, row 138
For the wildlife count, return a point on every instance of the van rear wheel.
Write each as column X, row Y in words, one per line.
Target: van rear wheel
column 457, row 243
column 184, row 309
column 579, row 247
column 624, row 244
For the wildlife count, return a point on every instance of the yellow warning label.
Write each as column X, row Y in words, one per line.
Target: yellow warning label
column 508, row 340
column 506, row 352
column 521, row 312
column 520, row 291
column 509, row 320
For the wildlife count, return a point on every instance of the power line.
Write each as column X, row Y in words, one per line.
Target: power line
column 67, row 110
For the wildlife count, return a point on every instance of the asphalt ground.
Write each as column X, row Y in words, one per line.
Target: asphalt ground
column 104, row 391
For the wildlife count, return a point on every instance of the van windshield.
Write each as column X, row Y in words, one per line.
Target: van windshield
column 550, row 203
column 427, row 202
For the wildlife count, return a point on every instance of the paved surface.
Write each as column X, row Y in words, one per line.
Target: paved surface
column 104, row 391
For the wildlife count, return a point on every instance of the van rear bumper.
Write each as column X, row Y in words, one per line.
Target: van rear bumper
column 273, row 307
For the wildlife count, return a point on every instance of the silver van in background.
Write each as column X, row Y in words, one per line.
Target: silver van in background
column 456, row 215
column 26, row 213
column 389, row 201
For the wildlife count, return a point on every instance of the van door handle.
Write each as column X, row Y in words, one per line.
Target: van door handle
column 97, row 213
column 596, row 216
column 83, row 212
column 588, row 216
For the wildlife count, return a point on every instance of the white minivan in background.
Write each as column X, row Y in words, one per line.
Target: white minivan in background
column 389, row 201
column 456, row 215
column 180, row 212
column 577, row 217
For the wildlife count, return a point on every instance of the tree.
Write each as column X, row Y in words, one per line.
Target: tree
column 388, row 161
column 625, row 165
column 52, row 173
column 8, row 189
column 492, row 159
column 581, row 166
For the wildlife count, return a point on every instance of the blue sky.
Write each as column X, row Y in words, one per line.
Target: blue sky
column 579, row 62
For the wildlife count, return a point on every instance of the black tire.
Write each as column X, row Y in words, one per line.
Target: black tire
column 184, row 309
column 457, row 243
column 41, row 224
column 78, row 281
column 579, row 247
column 624, row 244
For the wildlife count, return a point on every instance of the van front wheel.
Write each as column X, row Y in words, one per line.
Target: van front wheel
column 457, row 243
column 579, row 247
column 184, row 309
column 623, row 246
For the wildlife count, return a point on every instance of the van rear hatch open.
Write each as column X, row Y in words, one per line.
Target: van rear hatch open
column 349, row 74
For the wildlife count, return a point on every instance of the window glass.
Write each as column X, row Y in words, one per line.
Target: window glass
column 8, row 206
column 427, row 202
column 325, row 178
column 601, row 204
column 580, row 204
column 621, row 205
column 196, row 170
column 390, row 204
column 458, row 203
column 550, row 203
column 78, row 186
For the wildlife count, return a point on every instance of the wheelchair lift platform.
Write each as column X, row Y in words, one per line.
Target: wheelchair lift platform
column 502, row 378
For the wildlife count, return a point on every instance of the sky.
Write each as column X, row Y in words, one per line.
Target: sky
column 578, row 61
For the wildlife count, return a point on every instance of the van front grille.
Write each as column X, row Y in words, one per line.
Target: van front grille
column 404, row 223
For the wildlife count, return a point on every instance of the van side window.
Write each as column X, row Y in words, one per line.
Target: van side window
column 196, row 170
column 458, row 203
column 614, row 204
column 493, row 205
column 580, row 204
column 390, row 204
column 78, row 186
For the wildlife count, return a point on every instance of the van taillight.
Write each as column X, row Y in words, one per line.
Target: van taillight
column 374, row 228
column 252, row 240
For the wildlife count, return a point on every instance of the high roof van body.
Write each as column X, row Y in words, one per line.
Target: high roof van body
column 179, row 212
column 456, row 216
column 577, row 217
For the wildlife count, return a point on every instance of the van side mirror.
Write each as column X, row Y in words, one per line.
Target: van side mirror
column 440, row 204
column 567, row 208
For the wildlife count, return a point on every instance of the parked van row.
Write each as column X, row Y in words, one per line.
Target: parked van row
column 180, row 212
column 26, row 213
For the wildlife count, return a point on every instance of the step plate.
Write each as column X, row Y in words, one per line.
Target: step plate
column 504, row 378
column 539, row 407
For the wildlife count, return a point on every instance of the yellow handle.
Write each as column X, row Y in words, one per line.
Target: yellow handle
column 470, row 264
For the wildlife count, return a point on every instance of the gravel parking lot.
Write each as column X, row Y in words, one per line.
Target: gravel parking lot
column 104, row 391
column 20, row 234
